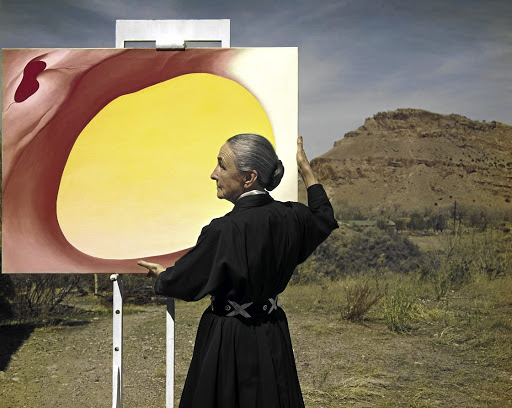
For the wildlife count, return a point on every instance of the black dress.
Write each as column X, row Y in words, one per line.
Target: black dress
column 247, row 256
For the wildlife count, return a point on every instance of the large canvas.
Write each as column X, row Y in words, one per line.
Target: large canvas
column 107, row 153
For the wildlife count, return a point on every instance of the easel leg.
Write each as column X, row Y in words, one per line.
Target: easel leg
column 169, row 379
column 117, row 341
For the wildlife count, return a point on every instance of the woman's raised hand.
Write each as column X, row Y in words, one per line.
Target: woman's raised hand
column 305, row 169
column 153, row 268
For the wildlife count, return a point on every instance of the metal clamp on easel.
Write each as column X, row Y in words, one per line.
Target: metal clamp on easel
column 172, row 45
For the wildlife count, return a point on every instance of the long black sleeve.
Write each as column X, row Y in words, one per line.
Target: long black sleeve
column 317, row 220
column 198, row 272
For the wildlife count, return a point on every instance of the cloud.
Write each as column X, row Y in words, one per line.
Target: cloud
column 356, row 57
column 126, row 9
column 320, row 74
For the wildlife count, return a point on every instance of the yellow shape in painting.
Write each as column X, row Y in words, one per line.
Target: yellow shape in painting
column 137, row 181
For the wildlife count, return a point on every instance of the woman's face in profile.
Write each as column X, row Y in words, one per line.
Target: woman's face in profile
column 230, row 182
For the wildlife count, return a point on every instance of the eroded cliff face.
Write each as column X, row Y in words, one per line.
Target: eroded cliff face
column 415, row 159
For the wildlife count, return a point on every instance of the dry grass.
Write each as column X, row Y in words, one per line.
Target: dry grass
column 456, row 352
column 361, row 296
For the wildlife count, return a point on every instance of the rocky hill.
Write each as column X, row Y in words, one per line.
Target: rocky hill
column 413, row 159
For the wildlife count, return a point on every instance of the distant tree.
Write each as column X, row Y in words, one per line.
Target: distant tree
column 479, row 218
column 437, row 222
column 416, row 222
column 400, row 224
column 427, row 212
column 458, row 213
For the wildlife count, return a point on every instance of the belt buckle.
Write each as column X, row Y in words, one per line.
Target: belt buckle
column 239, row 309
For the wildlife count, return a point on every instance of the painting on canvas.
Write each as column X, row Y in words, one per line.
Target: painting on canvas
column 107, row 153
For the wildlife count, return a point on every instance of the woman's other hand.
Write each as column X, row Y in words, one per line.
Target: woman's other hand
column 305, row 169
column 153, row 268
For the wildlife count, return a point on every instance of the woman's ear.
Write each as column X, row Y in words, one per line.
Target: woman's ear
column 250, row 179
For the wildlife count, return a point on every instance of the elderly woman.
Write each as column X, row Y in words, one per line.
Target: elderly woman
column 243, row 353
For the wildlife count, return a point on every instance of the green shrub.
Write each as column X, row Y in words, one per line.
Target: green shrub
column 399, row 309
column 491, row 254
column 345, row 254
column 459, row 272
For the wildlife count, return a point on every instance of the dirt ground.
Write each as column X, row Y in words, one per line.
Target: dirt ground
column 339, row 363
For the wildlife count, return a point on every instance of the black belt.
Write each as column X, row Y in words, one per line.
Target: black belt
column 230, row 308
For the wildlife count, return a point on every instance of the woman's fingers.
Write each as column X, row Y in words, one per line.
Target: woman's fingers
column 143, row 263
column 303, row 165
column 147, row 265
column 154, row 268
column 301, row 155
column 300, row 148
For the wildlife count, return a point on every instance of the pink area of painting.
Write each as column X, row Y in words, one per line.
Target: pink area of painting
column 39, row 133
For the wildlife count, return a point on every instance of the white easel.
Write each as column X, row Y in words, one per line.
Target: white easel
column 117, row 341
column 167, row 35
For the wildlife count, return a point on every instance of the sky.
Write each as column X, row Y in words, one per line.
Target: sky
column 356, row 57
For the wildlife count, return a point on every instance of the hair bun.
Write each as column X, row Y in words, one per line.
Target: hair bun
column 276, row 176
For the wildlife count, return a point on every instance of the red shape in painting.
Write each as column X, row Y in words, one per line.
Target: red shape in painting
column 29, row 84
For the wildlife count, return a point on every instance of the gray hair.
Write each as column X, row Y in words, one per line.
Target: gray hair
column 254, row 152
